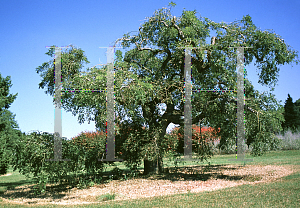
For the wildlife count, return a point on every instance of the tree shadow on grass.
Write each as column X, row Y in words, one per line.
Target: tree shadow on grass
column 12, row 185
column 200, row 173
column 25, row 189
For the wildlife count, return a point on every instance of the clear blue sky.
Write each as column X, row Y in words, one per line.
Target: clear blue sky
column 27, row 27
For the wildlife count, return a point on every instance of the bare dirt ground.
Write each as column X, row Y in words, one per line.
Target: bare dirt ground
column 189, row 179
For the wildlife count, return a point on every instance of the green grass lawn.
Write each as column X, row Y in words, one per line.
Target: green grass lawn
column 282, row 193
column 13, row 180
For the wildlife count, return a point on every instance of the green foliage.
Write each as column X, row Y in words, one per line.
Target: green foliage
column 107, row 197
column 151, row 74
column 41, row 179
column 8, row 132
column 289, row 140
column 117, row 173
column 89, row 147
column 264, row 121
column 84, row 183
column 291, row 115
column 264, row 142
column 6, row 98
column 172, row 4
column 202, row 144
column 34, row 149
column 136, row 143
column 297, row 106
column 131, row 140
column 72, row 60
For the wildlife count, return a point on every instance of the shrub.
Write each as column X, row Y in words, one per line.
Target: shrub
column 289, row 140
column 89, row 146
column 202, row 144
column 264, row 141
column 33, row 150
column 31, row 153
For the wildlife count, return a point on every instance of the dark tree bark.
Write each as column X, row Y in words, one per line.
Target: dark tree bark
column 153, row 166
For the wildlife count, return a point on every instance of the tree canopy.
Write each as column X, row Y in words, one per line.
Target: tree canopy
column 150, row 75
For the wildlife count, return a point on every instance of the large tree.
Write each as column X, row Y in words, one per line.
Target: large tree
column 291, row 115
column 297, row 105
column 8, row 126
column 150, row 75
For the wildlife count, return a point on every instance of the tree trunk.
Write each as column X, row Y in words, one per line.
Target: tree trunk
column 156, row 166
column 153, row 166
